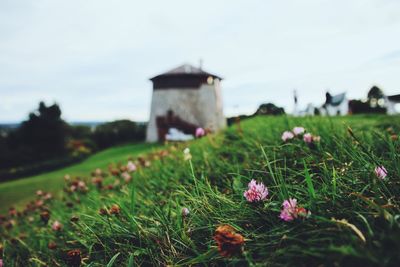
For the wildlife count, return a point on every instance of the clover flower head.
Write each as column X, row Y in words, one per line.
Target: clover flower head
column 131, row 167
column 115, row 209
column 47, row 196
column 381, row 172
column 126, row 176
column 308, row 138
column 290, row 211
column 287, row 135
column 298, row 130
column 256, row 191
column 200, row 132
column 185, row 212
column 56, row 226
column 81, row 186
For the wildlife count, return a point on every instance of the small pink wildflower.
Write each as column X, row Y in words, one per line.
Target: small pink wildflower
column 82, row 186
column 126, row 176
column 290, row 210
column 256, row 191
column 47, row 196
column 381, row 172
column 308, row 138
column 56, row 226
column 200, row 132
column 1, row 263
column 298, row 130
column 39, row 203
column 131, row 166
column 287, row 135
column 185, row 212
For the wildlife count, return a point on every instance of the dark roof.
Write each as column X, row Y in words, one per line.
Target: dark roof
column 186, row 70
column 394, row 98
column 335, row 100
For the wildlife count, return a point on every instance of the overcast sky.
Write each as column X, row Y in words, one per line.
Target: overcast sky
column 95, row 57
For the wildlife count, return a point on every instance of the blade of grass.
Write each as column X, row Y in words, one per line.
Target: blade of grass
column 111, row 262
column 310, row 185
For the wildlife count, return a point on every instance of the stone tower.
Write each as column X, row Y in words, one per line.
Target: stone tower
column 185, row 98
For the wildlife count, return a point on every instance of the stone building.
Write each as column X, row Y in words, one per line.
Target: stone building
column 184, row 99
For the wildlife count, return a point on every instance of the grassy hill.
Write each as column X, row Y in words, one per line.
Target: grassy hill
column 182, row 211
column 19, row 192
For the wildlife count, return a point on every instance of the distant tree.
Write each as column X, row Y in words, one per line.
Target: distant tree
column 376, row 99
column 269, row 109
column 80, row 132
column 118, row 132
column 44, row 131
column 375, row 93
column 263, row 109
column 42, row 136
column 45, row 142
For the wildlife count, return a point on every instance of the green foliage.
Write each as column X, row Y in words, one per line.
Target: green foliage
column 266, row 109
column 118, row 132
column 45, row 142
column 269, row 109
column 39, row 138
column 354, row 215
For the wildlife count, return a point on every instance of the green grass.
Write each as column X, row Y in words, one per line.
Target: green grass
column 354, row 217
column 19, row 192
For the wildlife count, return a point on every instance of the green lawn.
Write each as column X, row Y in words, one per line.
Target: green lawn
column 21, row 191
column 191, row 210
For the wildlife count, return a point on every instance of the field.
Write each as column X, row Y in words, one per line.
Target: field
column 19, row 192
column 195, row 208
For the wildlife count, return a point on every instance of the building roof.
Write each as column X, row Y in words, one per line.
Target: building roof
column 185, row 70
column 335, row 100
column 394, row 98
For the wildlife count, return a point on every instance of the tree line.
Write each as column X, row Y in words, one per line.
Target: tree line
column 45, row 141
